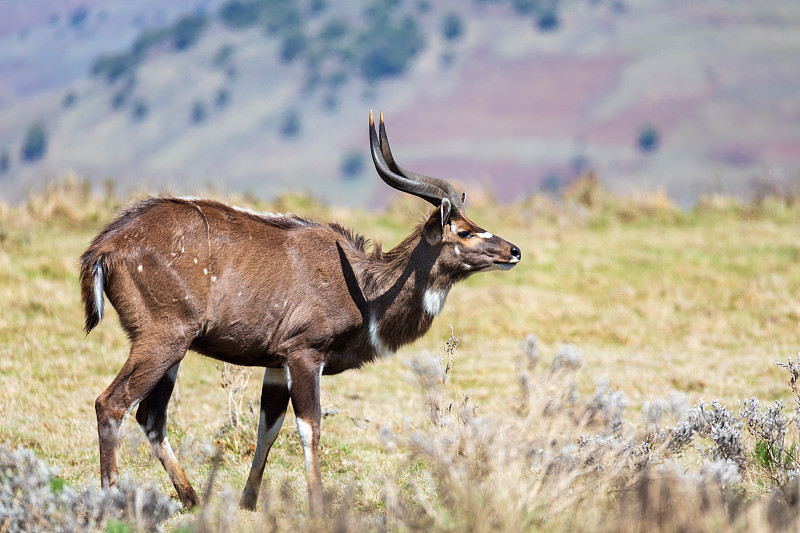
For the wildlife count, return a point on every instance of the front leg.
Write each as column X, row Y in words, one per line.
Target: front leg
column 304, row 375
column 274, row 399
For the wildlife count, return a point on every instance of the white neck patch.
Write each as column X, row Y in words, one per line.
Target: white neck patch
column 433, row 301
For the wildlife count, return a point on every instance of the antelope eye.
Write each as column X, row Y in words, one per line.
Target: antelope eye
column 465, row 234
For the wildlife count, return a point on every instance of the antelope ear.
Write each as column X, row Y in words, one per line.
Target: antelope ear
column 433, row 231
column 444, row 209
column 463, row 198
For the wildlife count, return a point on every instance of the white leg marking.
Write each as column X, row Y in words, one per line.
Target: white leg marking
column 485, row 235
column 377, row 344
column 276, row 376
column 131, row 408
column 433, row 301
column 288, row 377
column 266, row 436
column 306, row 436
column 168, row 452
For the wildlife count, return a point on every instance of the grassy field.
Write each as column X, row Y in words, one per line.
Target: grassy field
column 633, row 304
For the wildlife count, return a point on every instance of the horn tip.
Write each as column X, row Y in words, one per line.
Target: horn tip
column 381, row 116
column 371, row 120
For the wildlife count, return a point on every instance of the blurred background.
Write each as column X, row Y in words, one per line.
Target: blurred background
column 508, row 97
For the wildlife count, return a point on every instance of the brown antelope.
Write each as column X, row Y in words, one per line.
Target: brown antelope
column 297, row 297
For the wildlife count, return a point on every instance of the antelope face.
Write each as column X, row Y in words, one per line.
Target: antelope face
column 466, row 247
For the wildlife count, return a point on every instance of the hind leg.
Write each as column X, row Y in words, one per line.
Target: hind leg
column 146, row 365
column 274, row 400
column 152, row 417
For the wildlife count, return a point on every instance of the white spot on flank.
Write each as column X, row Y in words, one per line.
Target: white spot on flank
column 186, row 297
column 195, row 260
column 182, row 250
column 433, row 301
column 139, row 268
column 205, row 271
column 485, row 235
column 458, row 252
column 213, row 278
column 377, row 344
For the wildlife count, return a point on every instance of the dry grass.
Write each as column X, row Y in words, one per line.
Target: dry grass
column 659, row 300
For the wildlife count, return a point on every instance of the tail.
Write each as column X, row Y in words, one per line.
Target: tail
column 93, row 274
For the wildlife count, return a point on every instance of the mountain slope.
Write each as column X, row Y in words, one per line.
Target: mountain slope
column 501, row 105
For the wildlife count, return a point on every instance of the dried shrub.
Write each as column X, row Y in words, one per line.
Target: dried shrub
column 33, row 499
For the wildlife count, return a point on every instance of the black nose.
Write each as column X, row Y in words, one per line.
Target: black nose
column 516, row 253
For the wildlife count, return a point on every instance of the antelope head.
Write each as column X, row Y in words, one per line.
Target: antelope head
column 463, row 247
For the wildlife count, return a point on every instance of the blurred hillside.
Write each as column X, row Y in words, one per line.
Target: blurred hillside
column 507, row 96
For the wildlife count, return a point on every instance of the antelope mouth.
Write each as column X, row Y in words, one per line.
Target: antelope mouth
column 500, row 265
column 505, row 265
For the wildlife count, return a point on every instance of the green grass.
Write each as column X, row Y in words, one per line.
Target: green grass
column 702, row 302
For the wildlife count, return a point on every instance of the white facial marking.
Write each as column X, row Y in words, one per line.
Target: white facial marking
column 467, row 266
column 306, row 436
column 377, row 344
column 433, row 301
column 485, row 235
column 458, row 252
column 139, row 268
